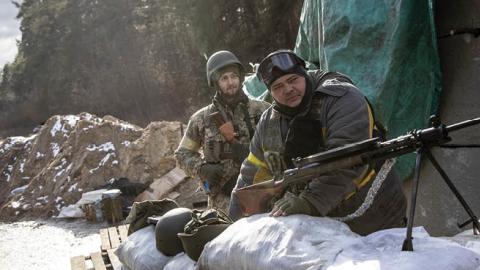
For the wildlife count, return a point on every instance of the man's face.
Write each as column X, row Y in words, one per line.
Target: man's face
column 288, row 90
column 229, row 83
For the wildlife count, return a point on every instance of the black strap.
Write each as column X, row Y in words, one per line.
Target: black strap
column 247, row 120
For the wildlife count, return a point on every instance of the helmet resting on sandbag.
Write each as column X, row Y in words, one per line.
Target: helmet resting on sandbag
column 204, row 227
column 193, row 243
column 167, row 228
column 220, row 60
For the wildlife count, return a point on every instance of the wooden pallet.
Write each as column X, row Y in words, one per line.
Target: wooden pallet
column 106, row 258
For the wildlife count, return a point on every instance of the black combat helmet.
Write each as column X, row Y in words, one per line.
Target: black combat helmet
column 167, row 228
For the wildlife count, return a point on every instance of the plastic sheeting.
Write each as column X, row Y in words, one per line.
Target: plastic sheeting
column 387, row 47
column 306, row 242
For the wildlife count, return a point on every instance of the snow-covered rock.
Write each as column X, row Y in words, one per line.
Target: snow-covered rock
column 72, row 154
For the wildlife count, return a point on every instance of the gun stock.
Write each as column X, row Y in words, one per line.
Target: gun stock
column 256, row 198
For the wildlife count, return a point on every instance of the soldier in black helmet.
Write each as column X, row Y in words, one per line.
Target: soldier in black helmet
column 222, row 130
column 314, row 111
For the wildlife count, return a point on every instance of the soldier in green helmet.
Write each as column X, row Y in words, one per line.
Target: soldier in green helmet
column 222, row 131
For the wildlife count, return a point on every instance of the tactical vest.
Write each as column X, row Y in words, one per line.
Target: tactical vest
column 216, row 148
column 305, row 136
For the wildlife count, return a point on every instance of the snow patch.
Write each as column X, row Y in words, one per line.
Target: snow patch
column 125, row 126
column 39, row 155
column 87, row 128
column 70, row 120
column 15, row 205
column 73, row 187
column 55, row 149
column 60, row 169
column 8, row 172
column 106, row 147
column 43, row 198
column 22, row 165
column 104, row 161
column 11, row 141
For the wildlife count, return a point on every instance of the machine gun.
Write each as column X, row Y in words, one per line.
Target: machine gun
column 255, row 198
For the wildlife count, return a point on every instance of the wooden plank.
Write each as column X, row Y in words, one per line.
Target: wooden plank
column 163, row 185
column 97, row 260
column 114, row 238
column 105, row 239
column 78, row 263
column 114, row 261
column 123, row 231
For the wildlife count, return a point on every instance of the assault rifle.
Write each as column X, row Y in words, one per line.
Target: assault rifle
column 256, row 198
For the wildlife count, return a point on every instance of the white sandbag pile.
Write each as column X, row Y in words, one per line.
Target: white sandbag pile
column 305, row 242
column 140, row 253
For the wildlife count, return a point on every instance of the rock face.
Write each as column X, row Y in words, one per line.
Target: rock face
column 73, row 154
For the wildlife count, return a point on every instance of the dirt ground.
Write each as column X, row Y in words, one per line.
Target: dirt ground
column 46, row 244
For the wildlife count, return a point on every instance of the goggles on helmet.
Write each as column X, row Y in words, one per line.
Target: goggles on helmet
column 278, row 64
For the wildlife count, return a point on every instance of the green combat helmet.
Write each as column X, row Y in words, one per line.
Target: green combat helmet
column 168, row 225
column 219, row 60
column 204, row 227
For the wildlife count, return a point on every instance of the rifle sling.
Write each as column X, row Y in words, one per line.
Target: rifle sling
column 246, row 118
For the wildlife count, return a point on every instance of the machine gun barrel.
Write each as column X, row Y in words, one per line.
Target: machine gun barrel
column 463, row 124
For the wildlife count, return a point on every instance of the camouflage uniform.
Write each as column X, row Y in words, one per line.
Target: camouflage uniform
column 202, row 133
column 337, row 114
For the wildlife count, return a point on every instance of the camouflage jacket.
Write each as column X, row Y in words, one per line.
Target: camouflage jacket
column 202, row 135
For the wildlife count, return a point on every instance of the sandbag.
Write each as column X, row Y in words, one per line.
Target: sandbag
column 180, row 261
column 139, row 252
column 262, row 242
column 306, row 242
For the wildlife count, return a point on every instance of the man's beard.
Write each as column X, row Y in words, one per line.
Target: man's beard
column 232, row 99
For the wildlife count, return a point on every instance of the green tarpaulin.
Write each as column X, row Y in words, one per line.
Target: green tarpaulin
column 389, row 50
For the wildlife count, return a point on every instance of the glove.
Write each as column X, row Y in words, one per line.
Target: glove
column 240, row 152
column 228, row 132
column 291, row 204
column 211, row 172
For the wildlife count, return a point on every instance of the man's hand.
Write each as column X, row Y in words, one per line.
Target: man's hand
column 228, row 132
column 211, row 172
column 291, row 204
